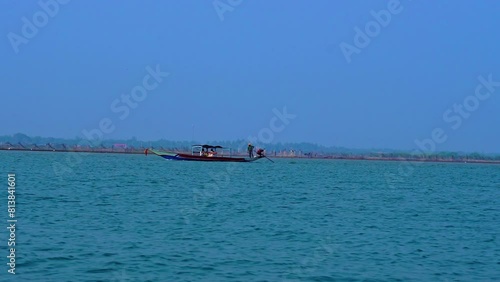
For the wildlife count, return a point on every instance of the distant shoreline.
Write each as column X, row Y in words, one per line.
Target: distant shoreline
column 332, row 157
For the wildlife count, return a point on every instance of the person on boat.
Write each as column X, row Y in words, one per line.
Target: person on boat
column 260, row 152
column 212, row 153
column 250, row 150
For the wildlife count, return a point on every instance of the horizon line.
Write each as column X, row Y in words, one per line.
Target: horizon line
column 370, row 150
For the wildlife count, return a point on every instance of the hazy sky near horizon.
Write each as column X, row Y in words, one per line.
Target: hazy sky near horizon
column 231, row 68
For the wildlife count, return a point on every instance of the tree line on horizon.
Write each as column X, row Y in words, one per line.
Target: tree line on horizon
column 303, row 149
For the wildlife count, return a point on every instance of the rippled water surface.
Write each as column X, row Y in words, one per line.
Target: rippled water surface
column 105, row 217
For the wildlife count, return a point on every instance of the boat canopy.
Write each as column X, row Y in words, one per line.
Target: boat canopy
column 208, row 146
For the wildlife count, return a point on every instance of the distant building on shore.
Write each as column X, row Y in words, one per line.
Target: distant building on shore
column 119, row 146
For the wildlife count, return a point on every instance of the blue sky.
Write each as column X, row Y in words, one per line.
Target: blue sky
column 230, row 66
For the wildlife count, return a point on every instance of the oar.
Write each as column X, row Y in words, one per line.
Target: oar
column 268, row 159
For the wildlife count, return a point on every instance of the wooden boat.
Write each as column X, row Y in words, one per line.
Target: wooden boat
column 204, row 153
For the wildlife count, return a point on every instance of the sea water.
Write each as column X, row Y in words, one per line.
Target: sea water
column 112, row 217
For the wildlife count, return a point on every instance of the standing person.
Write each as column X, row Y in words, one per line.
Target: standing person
column 250, row 150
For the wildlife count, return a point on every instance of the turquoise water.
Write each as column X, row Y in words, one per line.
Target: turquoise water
column 105, row 217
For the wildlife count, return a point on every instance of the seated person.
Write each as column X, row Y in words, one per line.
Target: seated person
column 203, row 153
column 212, row 153
column 260, row 152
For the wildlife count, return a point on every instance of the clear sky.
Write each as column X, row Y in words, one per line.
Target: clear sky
column 231, row 63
